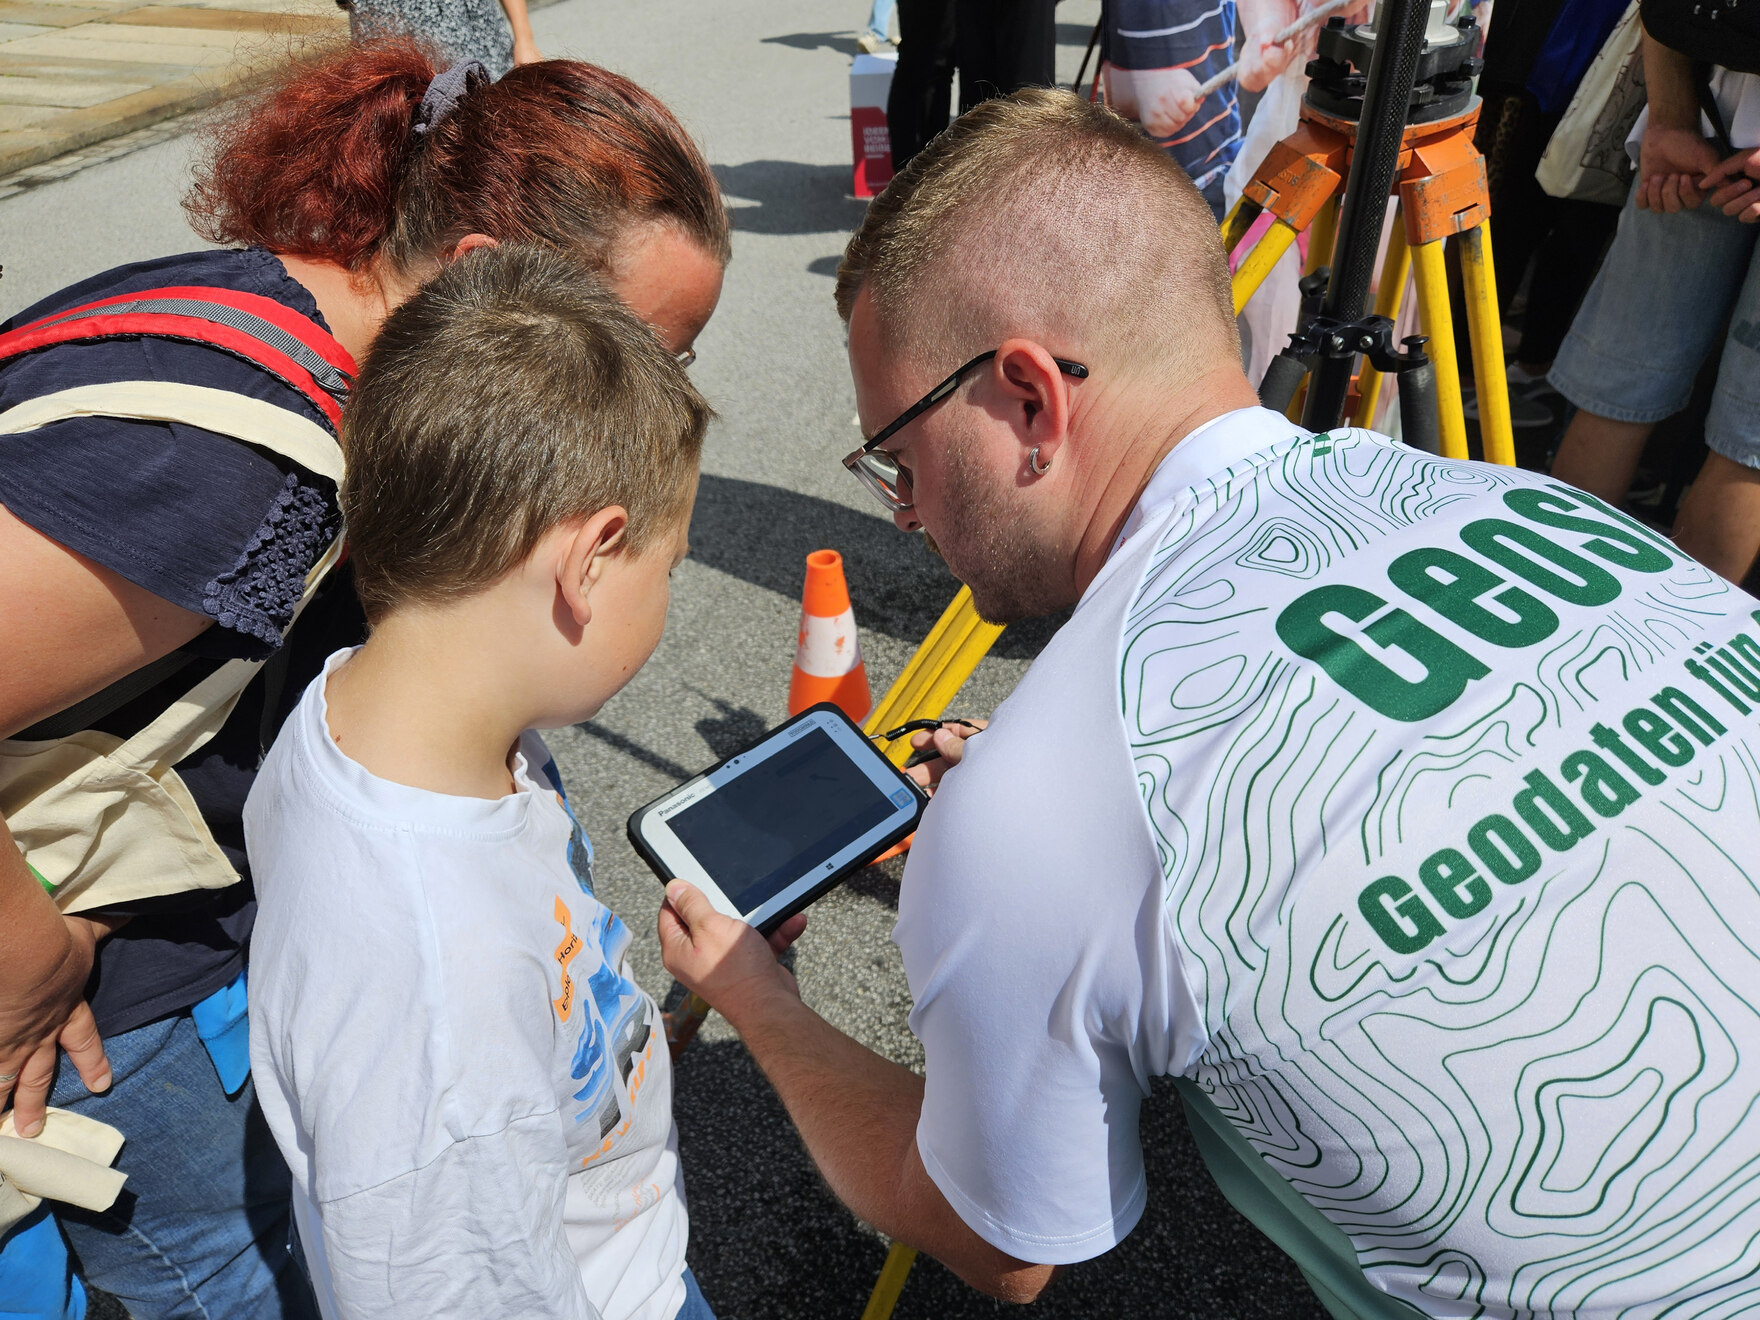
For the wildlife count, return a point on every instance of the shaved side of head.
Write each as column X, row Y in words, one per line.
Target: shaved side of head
column 1041, row 215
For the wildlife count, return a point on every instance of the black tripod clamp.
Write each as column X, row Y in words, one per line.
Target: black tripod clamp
column 1323, row 339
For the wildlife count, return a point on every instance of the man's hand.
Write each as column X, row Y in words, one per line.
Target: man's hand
column 1734, row 186
column 950, row 741
column 723, row 959
column 1672, row 163
column 42, row 983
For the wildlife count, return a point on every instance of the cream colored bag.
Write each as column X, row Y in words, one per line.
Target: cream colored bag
column 1586, row 156
column 108, row 821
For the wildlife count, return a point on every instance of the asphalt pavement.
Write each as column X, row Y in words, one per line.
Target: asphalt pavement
column 764, row 87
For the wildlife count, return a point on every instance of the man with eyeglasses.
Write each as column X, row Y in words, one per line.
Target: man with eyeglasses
column 1403, row 810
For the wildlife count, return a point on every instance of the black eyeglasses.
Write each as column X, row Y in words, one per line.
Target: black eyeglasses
column 882, row 473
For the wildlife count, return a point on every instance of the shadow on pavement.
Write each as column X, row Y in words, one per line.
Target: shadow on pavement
column 790, row 197
column 763, row 534
column 841, row 42
column 769, row 1242
column 824, row 266
column 732, row 729
column 1072, row 34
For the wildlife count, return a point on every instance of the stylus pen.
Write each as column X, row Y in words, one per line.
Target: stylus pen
column 926, row 754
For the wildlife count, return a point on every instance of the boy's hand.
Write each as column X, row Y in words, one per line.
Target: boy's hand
column 1263, row 60
column 1169, row 98
column 1734, row 185
column 720, row 957
column 950, row 741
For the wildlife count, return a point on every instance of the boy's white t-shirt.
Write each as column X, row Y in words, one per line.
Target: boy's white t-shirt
column 474, row 1096
column 1411, row 809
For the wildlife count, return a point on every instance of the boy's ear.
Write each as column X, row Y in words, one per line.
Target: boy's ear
column 585, row 551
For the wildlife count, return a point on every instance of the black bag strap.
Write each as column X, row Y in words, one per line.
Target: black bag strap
column 1708, row 103
column 107, row 701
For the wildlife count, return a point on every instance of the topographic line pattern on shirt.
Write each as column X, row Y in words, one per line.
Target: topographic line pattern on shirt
column 1455, row 781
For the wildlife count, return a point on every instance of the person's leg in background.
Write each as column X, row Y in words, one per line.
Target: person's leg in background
column 1645, row 327
column 875, row 38
column 1719, row 522
column 1566, row 260
column 1004, row 45
column 202, row 1228
column 921, row 98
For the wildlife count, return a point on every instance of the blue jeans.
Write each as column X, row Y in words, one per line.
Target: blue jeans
column 1651, row 319
column 879, row 17
column 695, row 1307
column 202, row 1229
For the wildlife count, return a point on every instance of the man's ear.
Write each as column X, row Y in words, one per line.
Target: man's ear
column 1033, row 382
column 587, row 547
column 470, row 243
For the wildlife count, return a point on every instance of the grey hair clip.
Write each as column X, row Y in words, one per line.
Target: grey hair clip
column 446, row 91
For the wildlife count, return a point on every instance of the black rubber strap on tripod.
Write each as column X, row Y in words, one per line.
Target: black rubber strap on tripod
column 84, row 714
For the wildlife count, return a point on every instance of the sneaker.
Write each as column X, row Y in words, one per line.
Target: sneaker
column 1525, row 413
column 872, row 43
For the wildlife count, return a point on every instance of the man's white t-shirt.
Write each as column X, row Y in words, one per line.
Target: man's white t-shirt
column 474, row 1096
column 1412, row 809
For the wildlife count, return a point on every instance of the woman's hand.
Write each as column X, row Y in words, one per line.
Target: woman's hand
column 950, row 741
column 525, row 51
column 42, row 1006
column 720, row 957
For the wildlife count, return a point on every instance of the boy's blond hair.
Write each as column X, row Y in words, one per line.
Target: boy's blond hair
column 1040, row 214
column 510, row 394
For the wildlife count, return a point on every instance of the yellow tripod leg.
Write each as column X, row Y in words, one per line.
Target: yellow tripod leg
column 1485, row 329
column 1436, row 322
column 935, row 674
column 1266, row 253
column 1322, row 234
column 1239, row 219
column 890, row 1283
column 1396, row 268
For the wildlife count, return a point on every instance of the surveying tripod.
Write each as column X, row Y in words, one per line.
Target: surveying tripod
column 1389, row 106
column 1423, row 99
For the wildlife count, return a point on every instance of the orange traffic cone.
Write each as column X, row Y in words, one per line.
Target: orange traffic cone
column 828, row 655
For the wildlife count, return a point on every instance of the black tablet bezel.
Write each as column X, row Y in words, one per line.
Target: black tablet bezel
column 638, row 818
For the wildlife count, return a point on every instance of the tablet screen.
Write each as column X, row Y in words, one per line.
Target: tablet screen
column 781, row 819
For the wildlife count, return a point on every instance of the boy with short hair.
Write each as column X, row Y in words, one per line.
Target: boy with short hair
column 473, row 1094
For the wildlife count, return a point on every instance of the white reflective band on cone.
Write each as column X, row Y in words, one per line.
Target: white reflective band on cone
column 828, row 647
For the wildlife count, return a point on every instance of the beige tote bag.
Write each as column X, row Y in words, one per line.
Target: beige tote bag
column 106, row 820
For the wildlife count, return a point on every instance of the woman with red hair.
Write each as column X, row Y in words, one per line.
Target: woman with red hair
column 168, row 470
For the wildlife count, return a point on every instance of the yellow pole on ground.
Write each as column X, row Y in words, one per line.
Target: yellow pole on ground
column 1485, row 330
column 935, row 674
column 1396, row 268
column 891, row 1281
column 1436, row 322
column 1266, row 253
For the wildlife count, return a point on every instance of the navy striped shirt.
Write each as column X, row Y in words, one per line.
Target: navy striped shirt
column 1197, row 36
